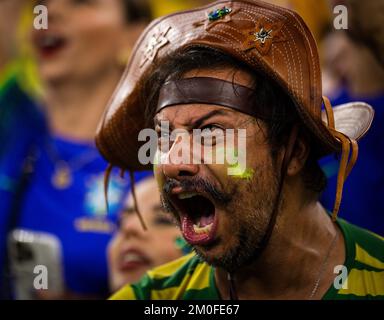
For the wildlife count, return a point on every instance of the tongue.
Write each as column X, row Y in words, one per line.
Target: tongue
column 206, row 220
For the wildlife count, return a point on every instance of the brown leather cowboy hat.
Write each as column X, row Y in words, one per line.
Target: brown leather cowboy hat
column 270, row 39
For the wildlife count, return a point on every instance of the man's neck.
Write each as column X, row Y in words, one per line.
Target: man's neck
column 74, row 108
column 289, row 266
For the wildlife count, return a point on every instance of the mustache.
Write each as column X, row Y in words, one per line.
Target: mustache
column 197, row 184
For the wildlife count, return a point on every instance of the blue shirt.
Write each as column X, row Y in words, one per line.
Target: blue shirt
column 76, row 214
column 363, row 195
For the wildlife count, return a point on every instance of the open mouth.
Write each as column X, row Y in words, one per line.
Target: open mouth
column 198, row 217
column 49, row 44
column 131, row 260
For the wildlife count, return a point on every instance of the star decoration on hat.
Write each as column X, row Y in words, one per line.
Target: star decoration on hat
column 262, row 36
column 215, row 17
column 155, row 43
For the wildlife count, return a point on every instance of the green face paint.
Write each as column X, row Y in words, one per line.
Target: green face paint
column 238, row 172
column 236, row 169
column 237, row 164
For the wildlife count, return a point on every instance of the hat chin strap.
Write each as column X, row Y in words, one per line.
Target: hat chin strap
column 349, row 154
column 107, row 177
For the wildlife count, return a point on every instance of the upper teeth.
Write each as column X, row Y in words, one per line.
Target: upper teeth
column 187, row 195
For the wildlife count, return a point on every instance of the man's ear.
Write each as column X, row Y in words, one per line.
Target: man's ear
column 299, row 155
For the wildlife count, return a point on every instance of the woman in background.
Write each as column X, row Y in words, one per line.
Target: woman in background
column 133, row 251
column 59, row 188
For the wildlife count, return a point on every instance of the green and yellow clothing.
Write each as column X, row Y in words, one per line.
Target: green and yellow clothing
column 191, row 278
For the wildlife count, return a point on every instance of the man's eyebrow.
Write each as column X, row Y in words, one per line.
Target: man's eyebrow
column 199, row 121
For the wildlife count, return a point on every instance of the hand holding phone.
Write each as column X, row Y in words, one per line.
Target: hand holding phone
column 35, row 263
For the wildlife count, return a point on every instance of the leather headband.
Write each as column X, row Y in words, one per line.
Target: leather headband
column 206, row 90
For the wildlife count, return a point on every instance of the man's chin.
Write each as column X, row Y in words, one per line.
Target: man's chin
column 213, row 254
column 229, row 258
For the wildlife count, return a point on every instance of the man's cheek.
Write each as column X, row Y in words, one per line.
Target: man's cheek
column 231, row 163
column 159, row 176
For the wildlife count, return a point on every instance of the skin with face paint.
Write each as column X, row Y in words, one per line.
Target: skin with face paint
column 223, row 248
column 225, row 218
column 133, row 250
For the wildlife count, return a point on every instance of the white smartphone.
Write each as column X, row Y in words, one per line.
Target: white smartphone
column 35, row 263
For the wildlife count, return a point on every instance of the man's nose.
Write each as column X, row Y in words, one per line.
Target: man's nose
column 179, row 161
column 176, row 171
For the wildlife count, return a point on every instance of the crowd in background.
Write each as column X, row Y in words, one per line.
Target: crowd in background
column 54, row 86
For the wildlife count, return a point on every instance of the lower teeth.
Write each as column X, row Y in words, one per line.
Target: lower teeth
column 202, row 230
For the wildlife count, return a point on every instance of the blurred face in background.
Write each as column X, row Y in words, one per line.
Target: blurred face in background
column 84, row 39
column 9, row 17
column 133, row 251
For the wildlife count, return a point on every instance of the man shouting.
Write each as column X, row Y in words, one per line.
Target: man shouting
column 259, row 232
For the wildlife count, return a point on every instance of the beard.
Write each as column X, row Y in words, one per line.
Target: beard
column 248, row 208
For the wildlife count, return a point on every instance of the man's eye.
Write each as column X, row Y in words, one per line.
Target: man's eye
column 211, row 134
column 163, row 141
column 210, row 127
column 164, row 134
